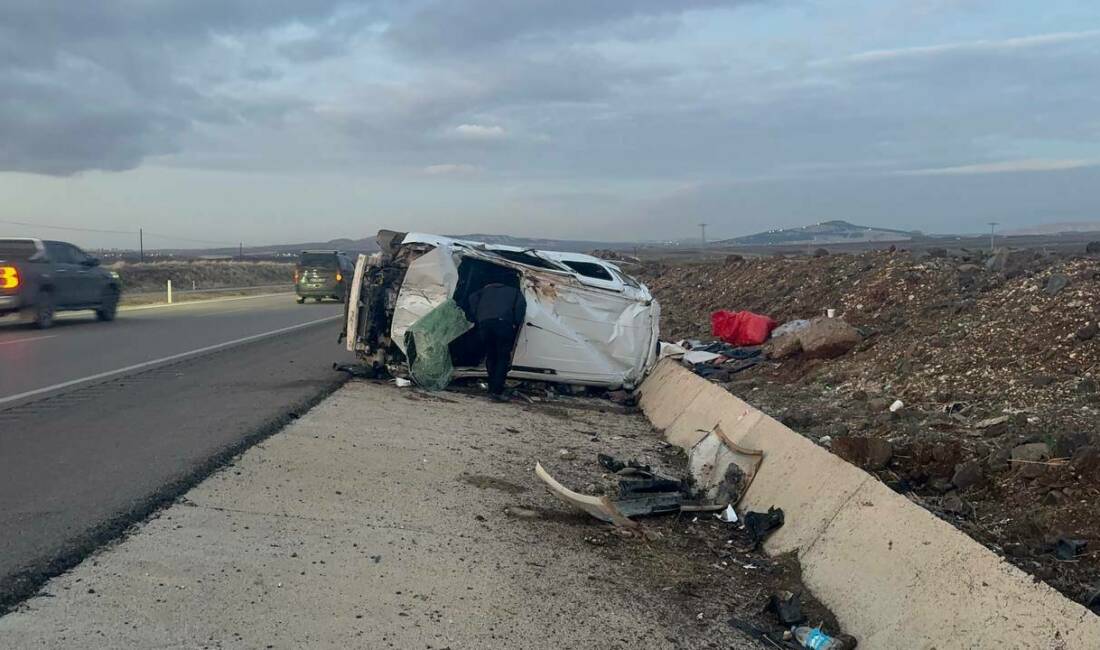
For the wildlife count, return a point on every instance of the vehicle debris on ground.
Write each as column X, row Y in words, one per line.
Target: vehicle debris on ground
column 994, row 360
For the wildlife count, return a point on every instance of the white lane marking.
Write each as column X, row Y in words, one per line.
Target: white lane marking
column 28, row 339
column 156, row 362
column 203, row 302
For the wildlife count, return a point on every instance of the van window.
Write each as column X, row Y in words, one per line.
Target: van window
column 590, row 270
column 318, row 260
column 60, row 253
column 629, row 281
column 523, row 257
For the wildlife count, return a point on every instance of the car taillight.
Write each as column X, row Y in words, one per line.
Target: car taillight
column 339, row 277
column 9, row 277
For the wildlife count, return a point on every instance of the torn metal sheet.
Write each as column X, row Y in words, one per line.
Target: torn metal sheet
column 587, row 321
column 710, row 460
column 601, row 508
column 429, row 282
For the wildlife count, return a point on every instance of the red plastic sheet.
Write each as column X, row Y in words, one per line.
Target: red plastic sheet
column 742, row 327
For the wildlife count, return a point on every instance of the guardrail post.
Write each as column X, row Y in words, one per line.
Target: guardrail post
column 169, row 292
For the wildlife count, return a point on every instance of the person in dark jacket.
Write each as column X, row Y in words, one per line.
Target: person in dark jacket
column 498, row 311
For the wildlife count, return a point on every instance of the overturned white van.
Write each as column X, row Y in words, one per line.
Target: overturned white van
column 587, row 322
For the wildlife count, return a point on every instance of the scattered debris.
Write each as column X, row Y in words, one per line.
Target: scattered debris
column 1068, row 549
column 787, row 607
column 760, row 524
column 984, row 361
column 601, row 508
column 357, row 370
column 402, row 382
column 729, row 515
column 615, row 465
column 741, row 328
column 815, row 639
column 721, row 469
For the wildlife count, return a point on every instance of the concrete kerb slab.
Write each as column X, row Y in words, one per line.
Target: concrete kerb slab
column 894, row 574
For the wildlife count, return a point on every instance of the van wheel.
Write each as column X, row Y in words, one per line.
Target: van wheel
column 44, row 311
column 301, row 300
column 108, row 307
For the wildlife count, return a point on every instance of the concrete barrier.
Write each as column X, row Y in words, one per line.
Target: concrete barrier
column 895, row 575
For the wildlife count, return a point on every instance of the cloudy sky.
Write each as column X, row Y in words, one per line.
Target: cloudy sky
column 281, row 120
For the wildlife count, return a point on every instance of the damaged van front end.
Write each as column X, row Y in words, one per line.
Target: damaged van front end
column 587, row 322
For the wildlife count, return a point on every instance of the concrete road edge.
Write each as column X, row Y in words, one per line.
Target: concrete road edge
column 893, row 573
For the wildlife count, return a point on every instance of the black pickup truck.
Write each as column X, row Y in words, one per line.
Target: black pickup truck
column 39, row 278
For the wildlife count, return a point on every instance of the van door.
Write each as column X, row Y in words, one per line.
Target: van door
column 87, row 288
column 63, row 267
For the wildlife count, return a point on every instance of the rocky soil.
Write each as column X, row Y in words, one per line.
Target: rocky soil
column 995, row 359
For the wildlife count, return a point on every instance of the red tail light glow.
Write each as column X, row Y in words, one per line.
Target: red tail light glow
column 9, row 277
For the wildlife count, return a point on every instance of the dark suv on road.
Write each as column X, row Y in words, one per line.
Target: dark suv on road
column 322, row 274
column 39, row 278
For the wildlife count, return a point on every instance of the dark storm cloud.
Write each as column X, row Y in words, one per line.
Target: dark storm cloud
column 94, row 85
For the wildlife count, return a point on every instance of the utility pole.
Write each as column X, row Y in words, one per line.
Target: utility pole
column 141, row 244
column 703, row 234
column 992, row 231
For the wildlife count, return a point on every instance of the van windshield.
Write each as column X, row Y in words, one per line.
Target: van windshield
column 17, row 250
column 317, row 260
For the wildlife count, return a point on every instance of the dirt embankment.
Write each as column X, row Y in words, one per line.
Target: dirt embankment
column 153, row 276
column 995, row 359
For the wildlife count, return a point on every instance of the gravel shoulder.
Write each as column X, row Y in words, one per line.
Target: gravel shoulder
column 394, row 518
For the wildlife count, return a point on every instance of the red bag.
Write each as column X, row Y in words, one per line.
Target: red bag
column 741, row 328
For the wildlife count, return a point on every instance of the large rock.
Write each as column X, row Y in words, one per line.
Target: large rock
column 1055, row 283
column 967, row 474
column 1033, row 452
column 1009, row 263
column 868, row 453
column 826, row 338
column 784, row 346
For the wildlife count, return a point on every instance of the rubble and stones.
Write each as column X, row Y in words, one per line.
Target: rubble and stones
column 984, row 357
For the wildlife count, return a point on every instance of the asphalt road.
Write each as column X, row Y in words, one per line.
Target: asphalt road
column 100, row 423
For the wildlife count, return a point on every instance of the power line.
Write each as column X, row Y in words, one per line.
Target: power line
column 188, row 239
column 120, row 232
column 73, row 228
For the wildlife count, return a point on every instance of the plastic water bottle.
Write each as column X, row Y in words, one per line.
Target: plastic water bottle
column 814, row 639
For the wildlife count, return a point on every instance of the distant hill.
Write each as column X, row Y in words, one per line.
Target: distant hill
column 826, row 232
column 369, row 245
column 1056, row 228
